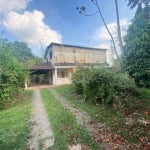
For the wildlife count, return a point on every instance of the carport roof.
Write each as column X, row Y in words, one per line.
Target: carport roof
column 44, row 66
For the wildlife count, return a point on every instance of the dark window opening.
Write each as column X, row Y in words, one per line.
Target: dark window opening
column 62, row 73
column 50, row 55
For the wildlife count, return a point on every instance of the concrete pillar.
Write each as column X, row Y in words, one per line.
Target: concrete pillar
column 74, row 69
column 55, row 76
column 50, row 77
column 26, row 85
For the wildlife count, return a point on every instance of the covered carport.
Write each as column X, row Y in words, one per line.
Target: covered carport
column 41, row 74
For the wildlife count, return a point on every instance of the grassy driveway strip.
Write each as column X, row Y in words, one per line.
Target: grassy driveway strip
column 14, row 124
column 66, row 130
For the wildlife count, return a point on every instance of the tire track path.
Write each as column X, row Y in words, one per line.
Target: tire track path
column 98, row 131
column 41, row 134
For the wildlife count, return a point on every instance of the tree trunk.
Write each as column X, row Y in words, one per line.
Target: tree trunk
column 113, row 42
column 118, row 27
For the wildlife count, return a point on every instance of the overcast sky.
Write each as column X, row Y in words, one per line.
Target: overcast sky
column 40, row 22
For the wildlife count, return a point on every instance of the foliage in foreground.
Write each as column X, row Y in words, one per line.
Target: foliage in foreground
column 66, row 130
column 14, row 124
column 104, row 85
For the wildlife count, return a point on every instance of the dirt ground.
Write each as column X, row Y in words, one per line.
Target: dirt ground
column 39, row 86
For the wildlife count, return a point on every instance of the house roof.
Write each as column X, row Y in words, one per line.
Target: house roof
column 73, row 46
column 67, row 45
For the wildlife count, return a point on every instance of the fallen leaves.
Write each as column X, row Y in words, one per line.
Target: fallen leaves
column 110, row 140
column 105, row 137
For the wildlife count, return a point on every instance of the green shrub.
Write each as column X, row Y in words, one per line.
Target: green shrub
column 100, row 87
column 80, row 78
column 12, row 78
column 124, row 84
column 103, row 85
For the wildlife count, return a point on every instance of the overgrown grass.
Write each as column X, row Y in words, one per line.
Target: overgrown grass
column 113, row 119
column 66, row 130
column 99, row 112
column 145, row 94
column 14, row 124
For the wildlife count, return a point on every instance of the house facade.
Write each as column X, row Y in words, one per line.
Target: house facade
column 61, row 61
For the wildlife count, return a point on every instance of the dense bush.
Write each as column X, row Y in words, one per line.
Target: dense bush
column 79, row 78
column 12, row 76
column 103, row 84
column 100, row 86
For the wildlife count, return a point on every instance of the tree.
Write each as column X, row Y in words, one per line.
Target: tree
column 18, row 50
column 21, row 51
column 134, row 3
column 137, row 48
column 32, row 62
column 12, row 73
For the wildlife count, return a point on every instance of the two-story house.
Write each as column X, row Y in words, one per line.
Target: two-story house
column 61, row 60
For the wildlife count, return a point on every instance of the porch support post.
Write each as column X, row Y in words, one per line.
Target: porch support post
column 49, row 77
column 26, row 85
column 55, row 77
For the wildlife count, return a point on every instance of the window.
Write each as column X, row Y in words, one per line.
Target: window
column 62, row 73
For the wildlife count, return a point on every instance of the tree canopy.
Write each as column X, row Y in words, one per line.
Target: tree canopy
column 13, row 71
column 19, row 50
column 134, row 3
column 137, row 48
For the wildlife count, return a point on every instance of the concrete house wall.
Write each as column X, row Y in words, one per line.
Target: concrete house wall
column 64, row 54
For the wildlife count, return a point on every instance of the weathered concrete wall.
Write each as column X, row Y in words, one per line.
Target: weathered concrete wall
column 78, row 55
column 67, row 78
column 61, row 81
